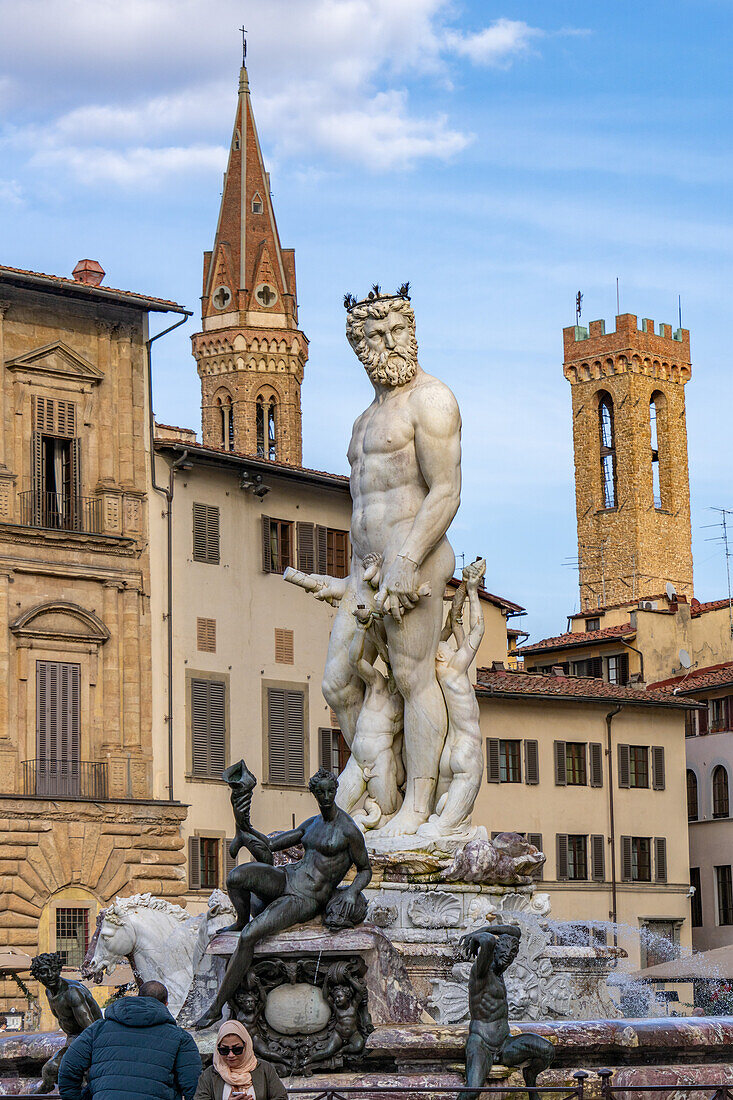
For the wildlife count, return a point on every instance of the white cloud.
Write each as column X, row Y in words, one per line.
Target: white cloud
column 497, row 45
column 329, row 79
column 11, row 193
column 137, row 167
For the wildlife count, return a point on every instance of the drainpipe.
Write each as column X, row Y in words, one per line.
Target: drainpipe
column 641, row 657
column 168, row 494
column 612, row 825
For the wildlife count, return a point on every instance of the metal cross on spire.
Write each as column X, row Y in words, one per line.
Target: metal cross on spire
column 244, row 45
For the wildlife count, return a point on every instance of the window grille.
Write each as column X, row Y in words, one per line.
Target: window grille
column 72, row 935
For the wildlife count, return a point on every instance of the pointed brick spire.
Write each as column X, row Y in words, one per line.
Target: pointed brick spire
column 249, row 312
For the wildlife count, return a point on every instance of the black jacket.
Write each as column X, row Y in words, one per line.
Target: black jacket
column 137, row 1050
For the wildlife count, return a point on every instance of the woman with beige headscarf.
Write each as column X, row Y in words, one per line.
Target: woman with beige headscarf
column 237, row 1074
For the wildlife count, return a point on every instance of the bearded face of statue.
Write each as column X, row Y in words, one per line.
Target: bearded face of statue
column 388, row 349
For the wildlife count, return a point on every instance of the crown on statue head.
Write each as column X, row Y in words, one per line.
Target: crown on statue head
column 376, row 295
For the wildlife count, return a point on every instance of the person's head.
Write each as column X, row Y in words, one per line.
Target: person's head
column 341, row 996
column 234, row 1046
column 154, row 989
column 382, row 333
column 323, row 786
column 506, row 951
column 46, row 968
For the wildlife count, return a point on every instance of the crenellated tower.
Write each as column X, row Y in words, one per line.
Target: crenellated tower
column 631, row 473
column 250, row 353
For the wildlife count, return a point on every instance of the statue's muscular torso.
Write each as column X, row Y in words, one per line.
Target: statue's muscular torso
column 387, row 486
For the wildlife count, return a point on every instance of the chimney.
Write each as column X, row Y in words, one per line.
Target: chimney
column 89, row 272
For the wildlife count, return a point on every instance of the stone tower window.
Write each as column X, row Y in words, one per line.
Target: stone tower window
column 656, row 429
column 257, row 206
column 226, row 419
column 266, row 424
column 607, row 450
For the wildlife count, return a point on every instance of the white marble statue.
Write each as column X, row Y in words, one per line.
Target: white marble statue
column 462, row 759
column 405, row 454
column 161, row 941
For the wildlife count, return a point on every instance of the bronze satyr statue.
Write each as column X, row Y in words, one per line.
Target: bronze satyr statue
column 71, row 1003
column 270, row 899
column 489, row 1039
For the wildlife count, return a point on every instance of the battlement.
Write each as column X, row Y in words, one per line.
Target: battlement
column 592, row 352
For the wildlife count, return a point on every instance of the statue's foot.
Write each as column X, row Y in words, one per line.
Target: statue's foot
column 236, row 927
column 208, row 1019
column 405, row 822
column 431, row 829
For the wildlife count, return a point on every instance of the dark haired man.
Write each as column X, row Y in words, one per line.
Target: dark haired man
column 136, row 1051
column 297, row 892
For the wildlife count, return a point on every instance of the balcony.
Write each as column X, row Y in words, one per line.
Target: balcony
column 60, row 512
column 65, row 779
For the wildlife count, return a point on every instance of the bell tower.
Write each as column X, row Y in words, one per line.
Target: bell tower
column 250, row 354
column 632, row 487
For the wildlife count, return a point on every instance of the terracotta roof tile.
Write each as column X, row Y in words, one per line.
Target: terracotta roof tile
column 580, row 688
column 85, row 289
column 570, row 640
column 697, row 608
column 698, row 679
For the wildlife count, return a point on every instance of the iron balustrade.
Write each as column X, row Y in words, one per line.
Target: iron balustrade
column 65, row 779
column 608, row 1091
column 61, row 512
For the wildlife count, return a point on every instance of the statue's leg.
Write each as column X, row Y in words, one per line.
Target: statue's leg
column 266, row 882
column 343, row 688
column 282, row 913
column 479, row 1060
column 382, row 784
column 466, row 767
column 532, row 1053
column 352, row 784
column 413, row 643
column 50, row 1072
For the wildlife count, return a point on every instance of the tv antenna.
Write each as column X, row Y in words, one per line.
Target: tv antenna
column 578, row 306
column 723, row 525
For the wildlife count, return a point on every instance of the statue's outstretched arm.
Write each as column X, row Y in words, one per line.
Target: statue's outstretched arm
column 469, row 648
column 288, row 839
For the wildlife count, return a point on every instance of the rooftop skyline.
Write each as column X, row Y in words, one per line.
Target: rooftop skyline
column 501, row 157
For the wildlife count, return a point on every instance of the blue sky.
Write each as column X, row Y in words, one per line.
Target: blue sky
column 500, row 156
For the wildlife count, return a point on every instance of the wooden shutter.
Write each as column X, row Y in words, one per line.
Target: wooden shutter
column 562, row 857
column 536, row 839
column 594, row 667
column 284, row 646
column 229, row 863
column 306, row 548
column 58, row 713
column 595, row 752
column 325, row 743
column 531, row 763
column 560, row 764
column 206, row 533
column 626, row 861
column 321, row 549
column 702, row 721
column 266, row 546
column 206, row 635
column 624, row 766
column 294, row 718
column 598, row 858
column 660, row 859
column 212, row 534
column 493, row 773
column 623, row 668
column 208, row 727
column 658, row 775
column 286, row 736
column 53, row 417
column 194, row 863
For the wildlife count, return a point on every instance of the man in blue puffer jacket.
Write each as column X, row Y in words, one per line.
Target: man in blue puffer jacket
column 137, row 1050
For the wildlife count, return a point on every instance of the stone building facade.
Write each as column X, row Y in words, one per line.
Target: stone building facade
column 250, row 353
column 80, row 822
column 631, row 471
